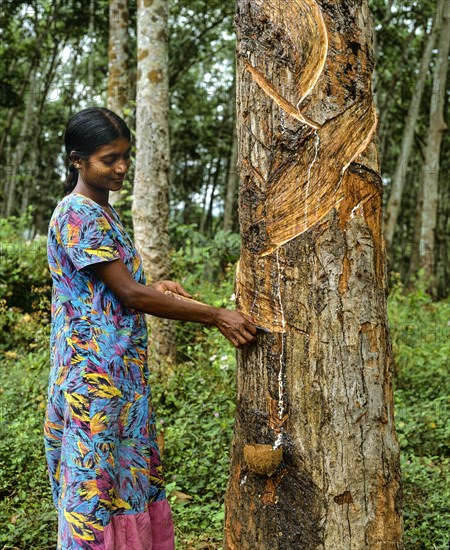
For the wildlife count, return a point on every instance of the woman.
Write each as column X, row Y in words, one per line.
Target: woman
column 103, row 460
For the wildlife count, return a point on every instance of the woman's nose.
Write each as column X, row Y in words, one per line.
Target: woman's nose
column 121, row 167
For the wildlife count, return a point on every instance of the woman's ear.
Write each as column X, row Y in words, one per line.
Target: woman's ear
column 75, row 160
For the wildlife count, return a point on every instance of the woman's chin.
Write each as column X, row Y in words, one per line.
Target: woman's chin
column 116, row 185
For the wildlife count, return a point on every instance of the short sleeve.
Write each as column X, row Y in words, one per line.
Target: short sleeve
column 86, row 235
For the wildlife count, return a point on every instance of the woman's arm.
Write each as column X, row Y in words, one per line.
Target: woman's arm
column 233, row 325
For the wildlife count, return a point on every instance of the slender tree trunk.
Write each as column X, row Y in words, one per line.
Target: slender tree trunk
column 11, row 115
column 443, row 237
column 151, row 185
column 25, row 85
column 398, row 182
column 209, row 214
column 415, row 256
column 117, row 63
column 27, row 188
column 376, row 52
column 90, row 64
column 21, row 146
column 230, row 197
column 230, row 202
column 315, row 458
column 74, row 74
column 205, row 198
column 437, row 127
column 37, row 97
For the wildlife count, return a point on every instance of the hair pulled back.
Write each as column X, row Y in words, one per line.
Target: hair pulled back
column 86, row 132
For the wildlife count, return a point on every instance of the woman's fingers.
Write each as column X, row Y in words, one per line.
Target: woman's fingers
column 249, row 337
column 182, row 291
column 239, row 329
column 250, row 326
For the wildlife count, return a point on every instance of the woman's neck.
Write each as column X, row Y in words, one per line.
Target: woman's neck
column 101, row 196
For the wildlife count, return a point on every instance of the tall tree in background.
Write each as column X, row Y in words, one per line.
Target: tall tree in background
column 229, row 208
column 315, row 458
column 150, row 207
column 118, row 63
column 430, row 178
column 398, row 182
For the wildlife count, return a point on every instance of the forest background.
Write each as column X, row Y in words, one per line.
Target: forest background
column 54, row 62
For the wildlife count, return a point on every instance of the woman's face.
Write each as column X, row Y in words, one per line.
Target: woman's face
column 107, row 167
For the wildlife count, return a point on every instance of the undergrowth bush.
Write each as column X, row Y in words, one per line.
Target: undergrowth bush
column 23, row 263
column 420, row 331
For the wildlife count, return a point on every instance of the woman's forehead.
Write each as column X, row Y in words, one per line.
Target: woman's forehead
column 118, row 145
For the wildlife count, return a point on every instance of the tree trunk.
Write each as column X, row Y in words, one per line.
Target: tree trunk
column 230, row 192
column 414, row 257
column 230, row 197
column 150, row 207
column 117, row 64
column 205, row 197
column 316, row 389
column 21, row 146
column 398, row 182
column 34, row 62
column 377, row 48
column 92, row 46
column 209, row 214
column 436, row 130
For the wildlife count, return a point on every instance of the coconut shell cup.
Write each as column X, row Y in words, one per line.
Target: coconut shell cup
column 263, row 459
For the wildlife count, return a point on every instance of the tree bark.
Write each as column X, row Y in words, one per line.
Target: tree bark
column 230, row 191
column 230, row 197
column 414, row 255
column 150, row 208
column 90, row 63
column 117, row 64
column 316, row 389
column 436, row 129
column 398, row 182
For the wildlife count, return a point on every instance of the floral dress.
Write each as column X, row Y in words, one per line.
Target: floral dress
column 99, row 431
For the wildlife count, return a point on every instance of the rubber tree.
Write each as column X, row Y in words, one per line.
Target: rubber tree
column 150, row 207
column 315, row 457
column 398, row 181
column 431, row 166
column 118, row 92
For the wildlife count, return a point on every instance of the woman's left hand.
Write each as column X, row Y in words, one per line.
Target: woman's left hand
column 170, row 286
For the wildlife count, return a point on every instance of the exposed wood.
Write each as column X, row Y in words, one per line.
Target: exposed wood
column 313, row 272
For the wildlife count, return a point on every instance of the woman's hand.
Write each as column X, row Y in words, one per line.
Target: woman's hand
column 237, row 327
column 170, row 287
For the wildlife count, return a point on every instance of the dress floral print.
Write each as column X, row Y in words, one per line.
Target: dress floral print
column 99, row 431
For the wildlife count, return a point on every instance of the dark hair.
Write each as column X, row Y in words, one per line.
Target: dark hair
column 86, row 132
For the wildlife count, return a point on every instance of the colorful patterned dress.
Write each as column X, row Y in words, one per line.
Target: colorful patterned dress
column 103, row 460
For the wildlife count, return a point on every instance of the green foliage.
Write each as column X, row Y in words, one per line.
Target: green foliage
column 200, row 257
column 420, row 333
column 196, row 404
column 195, row 408
column 24, row 270
column 27, row 517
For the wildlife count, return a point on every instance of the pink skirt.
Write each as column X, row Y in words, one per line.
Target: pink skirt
column 150, row 530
